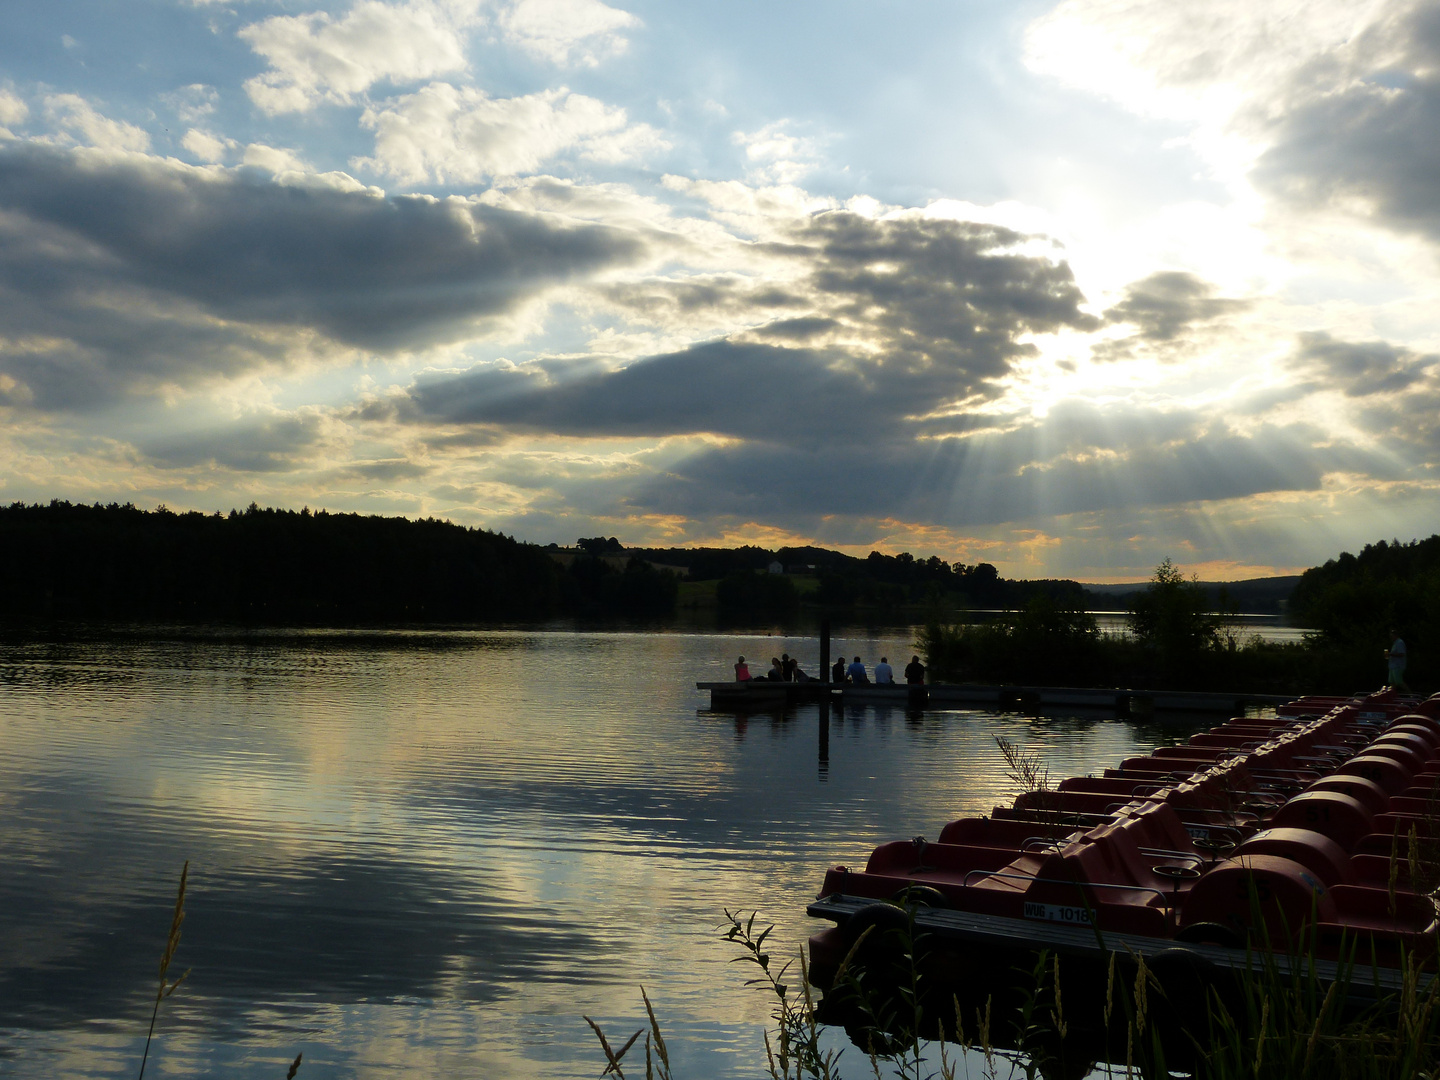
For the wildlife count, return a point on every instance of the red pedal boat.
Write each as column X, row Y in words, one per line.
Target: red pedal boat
column 1312, row 833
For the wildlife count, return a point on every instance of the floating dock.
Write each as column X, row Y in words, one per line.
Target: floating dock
column 761, row 694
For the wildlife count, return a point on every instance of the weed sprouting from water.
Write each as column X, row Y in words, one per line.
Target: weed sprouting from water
column 166, row 987
column 1027, row 768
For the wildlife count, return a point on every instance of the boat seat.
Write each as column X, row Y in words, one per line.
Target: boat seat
column 996, row 832
column 1335, row 814
column 1373, row 872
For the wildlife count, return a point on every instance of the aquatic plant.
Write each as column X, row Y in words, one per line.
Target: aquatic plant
column 167, row 987
column 172, row 942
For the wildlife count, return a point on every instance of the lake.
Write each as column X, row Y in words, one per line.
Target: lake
column 430, row 853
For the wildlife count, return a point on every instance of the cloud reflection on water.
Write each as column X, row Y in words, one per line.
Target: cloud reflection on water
column 414, row 850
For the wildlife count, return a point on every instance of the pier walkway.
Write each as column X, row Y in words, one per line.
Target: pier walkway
column 760, row 694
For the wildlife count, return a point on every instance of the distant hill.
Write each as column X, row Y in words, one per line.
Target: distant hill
column 1255, row 596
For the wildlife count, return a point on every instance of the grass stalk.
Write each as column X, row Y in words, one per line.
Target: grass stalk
column 166, row 987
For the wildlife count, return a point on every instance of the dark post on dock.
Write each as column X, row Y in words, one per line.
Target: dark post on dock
column 825, row 650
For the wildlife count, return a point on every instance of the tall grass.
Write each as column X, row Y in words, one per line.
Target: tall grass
column 1275, row 1019
column 167, row 986
column 167, row 956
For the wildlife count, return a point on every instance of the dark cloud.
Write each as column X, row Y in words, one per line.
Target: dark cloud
column 273, row 444
column 947, row 293
column 932, row 313
column 752, row 391
column 1361, row 368
column 122, row 273
column 384, row 470
column 1076, row 460
column 1169, row 304
column 918, row 320
column 1364, row 130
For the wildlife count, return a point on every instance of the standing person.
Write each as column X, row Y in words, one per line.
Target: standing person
column 837, row 673
column 1396, row 657
column 856, row 671
column 915, row 671
column 742, row 673
column 883, row 675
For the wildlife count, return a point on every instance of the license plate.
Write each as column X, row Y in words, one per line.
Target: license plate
column 1061, row 913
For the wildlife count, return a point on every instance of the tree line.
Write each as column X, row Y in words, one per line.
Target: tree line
column 284, row 567
column 281, row 567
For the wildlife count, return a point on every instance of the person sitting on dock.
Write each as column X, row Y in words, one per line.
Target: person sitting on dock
column 777, row 673
column 787, row 667
column 837, row 673
column 884, row 676
column 856, row 672
column 1395, row 658
column 915, row 672
column 796, row 675
column 742, row 672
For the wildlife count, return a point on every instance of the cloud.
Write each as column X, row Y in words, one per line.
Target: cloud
column 776, row 155
column 455, row 134
column 277, row 443
column 1170, row 313
column 123, row 274
column 79, row 118
column 1201, row 62
column 317, row 58
column 1167, row 304
column 1360, row 369
column 1324, row 106
column 206, row 145
column 1359, row 134
column 869, row 394
column 1396, row 390
column 1034, row 472
column 887, row 321
column 384, row 470
column 13, row 110
column 565, row 31
column 719, row 388
column 193, row 103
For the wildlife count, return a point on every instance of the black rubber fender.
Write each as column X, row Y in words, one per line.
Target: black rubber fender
column 885, row 923
column 1211, row 933
column 913, row 896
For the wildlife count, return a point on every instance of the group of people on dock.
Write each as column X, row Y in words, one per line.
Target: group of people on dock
column 783, row 668
column 786, row 669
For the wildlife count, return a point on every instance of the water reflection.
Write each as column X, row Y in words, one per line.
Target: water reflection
column 434, row 852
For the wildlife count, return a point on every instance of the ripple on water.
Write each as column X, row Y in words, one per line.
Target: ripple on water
column 432, row 853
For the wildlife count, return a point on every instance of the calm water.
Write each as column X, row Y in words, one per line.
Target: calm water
column 429, row 854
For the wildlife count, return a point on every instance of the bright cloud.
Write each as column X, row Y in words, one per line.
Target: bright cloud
column 12, row 109
column 78, row 118
column 206, row 145
column 567, row 31
column 318, row 58
column 461, row 134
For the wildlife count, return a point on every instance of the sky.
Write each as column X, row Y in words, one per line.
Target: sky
column 1069, row 289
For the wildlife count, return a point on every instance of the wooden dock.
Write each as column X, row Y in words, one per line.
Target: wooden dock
column 973, row 930
column 760, row 694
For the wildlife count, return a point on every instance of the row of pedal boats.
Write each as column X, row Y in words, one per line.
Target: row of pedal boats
column 1317, row 830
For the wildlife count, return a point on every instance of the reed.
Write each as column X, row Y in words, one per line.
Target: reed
column 1276, row 1021
column 166, row 987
